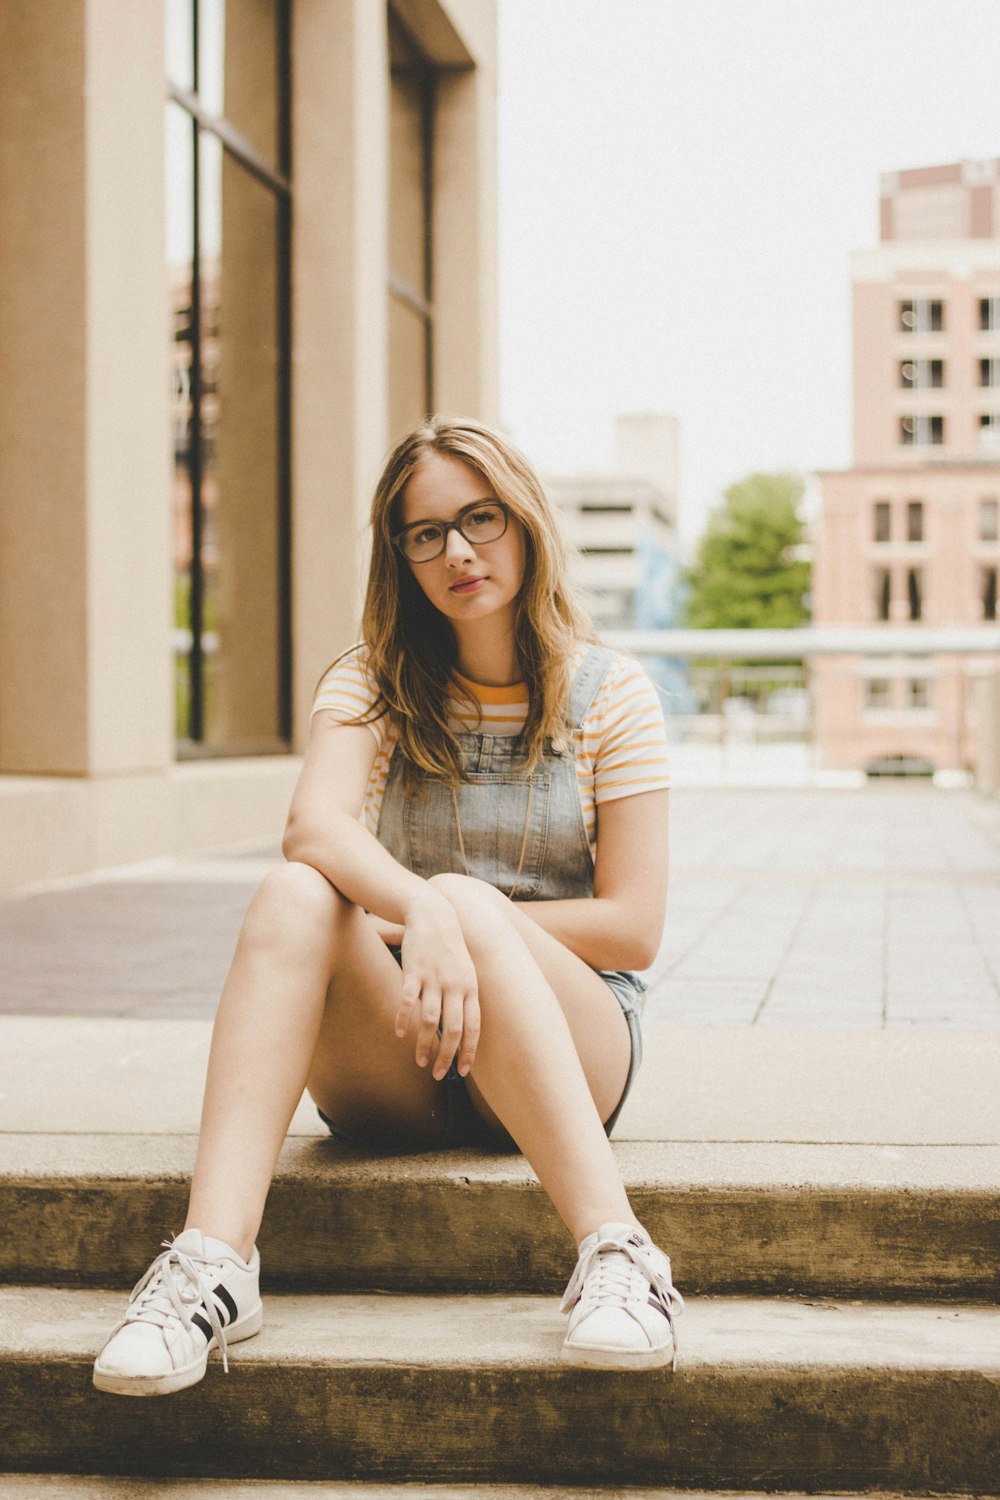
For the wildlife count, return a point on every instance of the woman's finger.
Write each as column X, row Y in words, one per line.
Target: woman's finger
column 430, row 1015
column 452, row 1023
column 470, row 1035
column 407, row 1000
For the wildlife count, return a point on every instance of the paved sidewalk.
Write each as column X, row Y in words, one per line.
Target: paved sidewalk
column 830, row 976
column 876, row 907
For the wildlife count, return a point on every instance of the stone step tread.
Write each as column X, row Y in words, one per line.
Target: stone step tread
column 103, row 1487
column 479, row 1332
column 791, row 1395
column 677, row 1165
column 735, row 1218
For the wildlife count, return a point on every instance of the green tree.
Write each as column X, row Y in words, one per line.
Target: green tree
column 748, row 570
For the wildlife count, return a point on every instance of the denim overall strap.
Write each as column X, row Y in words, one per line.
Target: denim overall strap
column 504, row 814
column 591, row 674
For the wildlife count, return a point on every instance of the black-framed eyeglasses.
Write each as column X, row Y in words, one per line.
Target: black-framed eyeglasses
column 422, row 541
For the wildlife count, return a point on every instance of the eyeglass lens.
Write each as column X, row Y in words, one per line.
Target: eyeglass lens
column 481, row 523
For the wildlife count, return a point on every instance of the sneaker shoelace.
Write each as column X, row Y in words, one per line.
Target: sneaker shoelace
column 174, row 1286
column 606, row 1275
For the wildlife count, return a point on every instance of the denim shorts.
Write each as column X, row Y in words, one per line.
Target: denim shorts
column 464, row 1126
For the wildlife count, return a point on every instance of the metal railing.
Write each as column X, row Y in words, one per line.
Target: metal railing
column 729, row 696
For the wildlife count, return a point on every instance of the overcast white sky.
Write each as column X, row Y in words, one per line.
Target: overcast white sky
column 681, row 183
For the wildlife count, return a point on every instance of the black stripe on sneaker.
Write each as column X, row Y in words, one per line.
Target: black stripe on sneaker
column 226, row 1300
column 203, row 1324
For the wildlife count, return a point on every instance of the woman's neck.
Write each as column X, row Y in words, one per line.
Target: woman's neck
column 487, row 655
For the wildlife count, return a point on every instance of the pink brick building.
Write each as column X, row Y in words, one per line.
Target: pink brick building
column 911, row 534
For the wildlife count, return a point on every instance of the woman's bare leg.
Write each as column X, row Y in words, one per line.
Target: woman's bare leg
column 277, row 1002
column 553, row 1054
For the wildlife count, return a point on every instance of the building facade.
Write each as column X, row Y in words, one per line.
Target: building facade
column 909, row 534
column 622, row 527
column 245, row 247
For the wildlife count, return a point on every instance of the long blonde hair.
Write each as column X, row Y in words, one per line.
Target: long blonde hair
column 412, row 646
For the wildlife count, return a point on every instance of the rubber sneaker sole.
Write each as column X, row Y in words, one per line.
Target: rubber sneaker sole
column 177, row 1380
column 593, row 1357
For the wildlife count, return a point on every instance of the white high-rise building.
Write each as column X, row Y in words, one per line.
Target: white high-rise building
column 622, row 526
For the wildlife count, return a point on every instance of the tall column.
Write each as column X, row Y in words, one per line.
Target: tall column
column 466, row 358
column 340, row 362
column 85, row 660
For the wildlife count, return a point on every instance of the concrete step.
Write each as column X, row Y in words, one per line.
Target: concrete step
column 913, row 1221
column 770, row 1394
column 96, row 1487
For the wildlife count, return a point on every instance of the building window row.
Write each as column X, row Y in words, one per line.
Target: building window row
column 921, row 374
column 923, row 431
column 929, row 374
column 884, row 592
column 921, row 315
column 911, row 516
column 926, row 315
column 882, row 521
column 915, row 694
column 885, row 582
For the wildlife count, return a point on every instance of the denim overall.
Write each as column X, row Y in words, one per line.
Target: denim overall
column 503, row 831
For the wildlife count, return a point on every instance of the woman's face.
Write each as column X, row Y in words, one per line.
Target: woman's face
column 466, row 583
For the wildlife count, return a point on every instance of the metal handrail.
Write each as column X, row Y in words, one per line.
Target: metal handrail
column 811, row 640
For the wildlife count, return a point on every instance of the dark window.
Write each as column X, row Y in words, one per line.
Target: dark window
column 411, row 248
column 883, row 593
column 914, row 520
column 989, row 428
column 989, row 313
column 989, row 372
column 882, row 529
column 988, row 520
column 915, row 593
column 928, row 431
column 921, row 315
column 878, row 692
column 228, row 237
column 921, row 374
column 989, row 593
column 918, row 692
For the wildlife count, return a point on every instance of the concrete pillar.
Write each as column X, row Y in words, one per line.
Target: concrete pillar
column 84, row 451
column 987, row 690
column 466, row 355
column 340, row 361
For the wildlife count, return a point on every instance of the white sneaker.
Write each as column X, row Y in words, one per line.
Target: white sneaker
column 198, row 1294
column 621, row 1303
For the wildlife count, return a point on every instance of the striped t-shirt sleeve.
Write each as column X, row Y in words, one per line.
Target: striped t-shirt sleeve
column 348, row 692
column 624, row 736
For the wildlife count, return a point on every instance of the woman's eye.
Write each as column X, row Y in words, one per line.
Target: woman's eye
column 482, row 517
column 426, row 534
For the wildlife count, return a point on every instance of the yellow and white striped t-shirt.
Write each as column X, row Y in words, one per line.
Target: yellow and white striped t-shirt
column 620, row 748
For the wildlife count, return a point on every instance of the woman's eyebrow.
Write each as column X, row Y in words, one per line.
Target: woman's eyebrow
column 436, row 520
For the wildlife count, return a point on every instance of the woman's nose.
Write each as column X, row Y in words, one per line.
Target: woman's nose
column 456, row 547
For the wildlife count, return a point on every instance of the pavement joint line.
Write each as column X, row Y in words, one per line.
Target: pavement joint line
column 800, row 921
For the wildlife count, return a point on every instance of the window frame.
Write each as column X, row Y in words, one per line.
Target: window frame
column 278, row 180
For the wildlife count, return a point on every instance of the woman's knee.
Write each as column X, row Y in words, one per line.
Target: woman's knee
column 294, row 901
column 484, row 913
column 468, row 895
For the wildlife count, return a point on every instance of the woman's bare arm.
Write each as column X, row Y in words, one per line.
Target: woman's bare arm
column 323, row 831
column 622, row 926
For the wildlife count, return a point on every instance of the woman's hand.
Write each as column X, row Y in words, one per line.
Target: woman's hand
column 391, row 933
column 439, row 976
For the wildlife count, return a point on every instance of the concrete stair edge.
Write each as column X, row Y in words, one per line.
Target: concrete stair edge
column 823, row 1220
column 769, row 1392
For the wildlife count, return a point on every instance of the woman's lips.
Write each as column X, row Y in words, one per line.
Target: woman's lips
column 467, row 585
